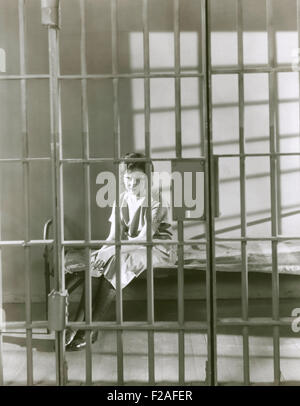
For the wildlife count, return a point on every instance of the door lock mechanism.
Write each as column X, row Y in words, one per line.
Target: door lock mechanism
column 57, row 310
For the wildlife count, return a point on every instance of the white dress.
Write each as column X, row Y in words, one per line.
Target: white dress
column 132, row 219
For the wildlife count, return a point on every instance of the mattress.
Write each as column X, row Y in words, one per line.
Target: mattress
column 227, row 258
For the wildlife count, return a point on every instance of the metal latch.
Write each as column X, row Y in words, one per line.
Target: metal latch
column 50, row 13
column 57, row 310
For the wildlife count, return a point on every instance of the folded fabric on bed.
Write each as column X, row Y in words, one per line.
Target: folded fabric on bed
column 228, row 258
column 259, row 257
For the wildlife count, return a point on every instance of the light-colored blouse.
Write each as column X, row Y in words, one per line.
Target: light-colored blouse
column 133, row 216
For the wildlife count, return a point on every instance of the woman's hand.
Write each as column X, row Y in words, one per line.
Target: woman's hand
column 103, row 256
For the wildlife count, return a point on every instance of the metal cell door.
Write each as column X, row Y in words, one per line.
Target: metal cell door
column 207, row 165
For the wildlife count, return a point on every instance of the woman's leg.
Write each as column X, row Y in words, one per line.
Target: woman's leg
column 103, row 300
column 79, row 315
column 80, row 310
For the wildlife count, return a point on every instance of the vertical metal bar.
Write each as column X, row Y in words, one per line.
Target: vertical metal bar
column 2, row 318
column 60, row 197
column 209, row 204
column 202, row 100
column 275, row 102
column 179, row 222
column 177, row 80
column 116, row 120
column 25, row 194
column 201, row 112
column 298, row 32
column 243, row 194
column 150, row 283
column 274, row 212
column 278, row 169
column 87, row 190
column 57, row 186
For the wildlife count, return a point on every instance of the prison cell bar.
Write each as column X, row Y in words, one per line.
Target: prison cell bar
column 298, row 55
column 233, row 155
column 60, row 170
column 209, row 203
column 82, row 243
column 298, row 34
column 25, row 167
column 116, row 124
column 275, row 194
column 274, row 208
column 1, row 323
column 129, row 326
column 149, row 75
column 157, row 326
column 87, row 191
column 202, row 95
column 277, row 149
column 57, row 186
column 259, row 154
column 2, row 318
column 214, row 71
column 95, row 243
column 180, row 275
column 24, row 76
column 242, row 162
column 22, row 160
column 252, row 69
column 150, row 280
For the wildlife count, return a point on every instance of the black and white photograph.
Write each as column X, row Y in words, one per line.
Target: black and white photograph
column 149, row 195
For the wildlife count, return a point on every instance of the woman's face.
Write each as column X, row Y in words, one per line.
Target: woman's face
column 135, row 182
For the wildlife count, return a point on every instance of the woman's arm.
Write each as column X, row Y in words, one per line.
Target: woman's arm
column 111, row 236
column 107, row 251
column 157, row 215
column 142, row 236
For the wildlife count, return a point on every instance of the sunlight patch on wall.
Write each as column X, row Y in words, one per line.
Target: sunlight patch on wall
column 286, row 42
column 189, row 50
column 255, row 48
column 224, row 48
column 161, row 48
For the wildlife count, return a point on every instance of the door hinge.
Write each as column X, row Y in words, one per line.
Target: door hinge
column 50, row 13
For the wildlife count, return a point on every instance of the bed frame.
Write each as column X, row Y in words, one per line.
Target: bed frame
column 228, row 277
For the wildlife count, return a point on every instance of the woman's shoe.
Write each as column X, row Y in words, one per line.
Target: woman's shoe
column 79, row 342
column 94, row 336
column 69, row 336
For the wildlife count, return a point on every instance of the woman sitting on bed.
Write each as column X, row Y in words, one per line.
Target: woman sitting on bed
column 133, row 258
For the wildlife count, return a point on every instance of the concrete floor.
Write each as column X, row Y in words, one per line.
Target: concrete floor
column 230, row 360
column 104, row 361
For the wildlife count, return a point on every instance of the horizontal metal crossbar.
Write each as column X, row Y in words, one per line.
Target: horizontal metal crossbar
column 158, row 159
column 167, row 75
column 252, row 69
column 9, row 327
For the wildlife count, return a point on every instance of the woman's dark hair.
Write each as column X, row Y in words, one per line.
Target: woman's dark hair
column 131, row 166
